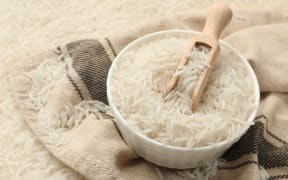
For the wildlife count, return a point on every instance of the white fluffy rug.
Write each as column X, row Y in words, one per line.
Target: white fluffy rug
column 33, row 26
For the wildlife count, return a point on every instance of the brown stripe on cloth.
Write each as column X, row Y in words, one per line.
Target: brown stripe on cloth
column 269, row 132
column 278, row 177
column 244, row 169
column 255, row 150
column 269, row 156
column 244, row 160
column 111, row 46
column 268, row 135
column 76, row 87
column 91, row 62
column 275, row 172
column 239, row 165
column 77, row 83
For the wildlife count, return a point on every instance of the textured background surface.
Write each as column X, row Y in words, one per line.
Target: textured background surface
column 33, row 26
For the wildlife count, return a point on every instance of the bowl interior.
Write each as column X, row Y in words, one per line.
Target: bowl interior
column 181, row 34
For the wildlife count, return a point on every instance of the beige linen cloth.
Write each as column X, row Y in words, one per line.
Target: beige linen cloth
column 93, row 145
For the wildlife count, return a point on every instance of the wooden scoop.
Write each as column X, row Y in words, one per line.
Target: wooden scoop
column 218, row 18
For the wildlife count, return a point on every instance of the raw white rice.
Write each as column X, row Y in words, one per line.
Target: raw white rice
column 140, row 77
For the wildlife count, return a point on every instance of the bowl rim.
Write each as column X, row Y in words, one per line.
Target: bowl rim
column 118, row 116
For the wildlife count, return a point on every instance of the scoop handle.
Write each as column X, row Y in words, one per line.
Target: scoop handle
column 218, row 17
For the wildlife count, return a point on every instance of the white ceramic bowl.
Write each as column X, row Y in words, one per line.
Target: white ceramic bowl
column 166, row 155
